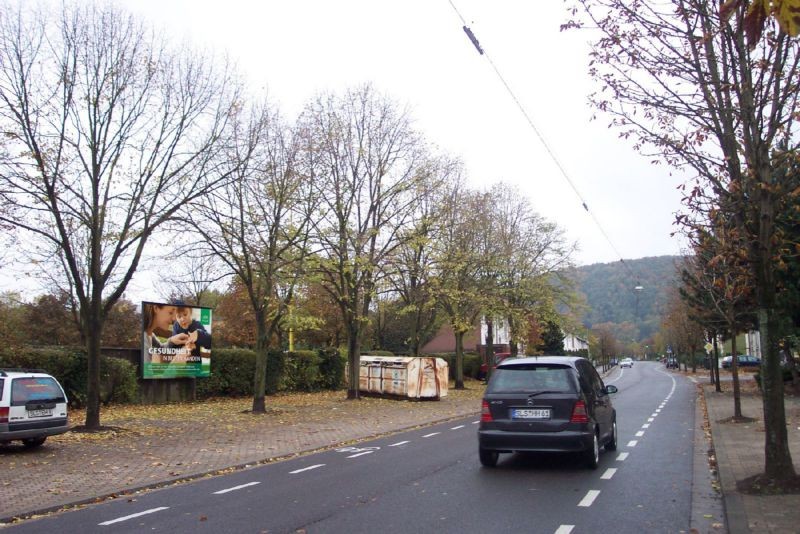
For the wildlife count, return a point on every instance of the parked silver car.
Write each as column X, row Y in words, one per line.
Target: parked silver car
column 33, row 406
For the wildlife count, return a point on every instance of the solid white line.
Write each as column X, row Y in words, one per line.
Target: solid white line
column 640, row 433
column 457, row 427
column 632, row 443
column 220, row 492
column 589, row 499
column 360, row 454
column 119, row 519
column 609, row 473
column 431, row 434
column 306, row 469
column 564, row 529
column 622, row 456
column 398, row 443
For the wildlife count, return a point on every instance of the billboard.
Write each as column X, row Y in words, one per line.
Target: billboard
column 176, row 341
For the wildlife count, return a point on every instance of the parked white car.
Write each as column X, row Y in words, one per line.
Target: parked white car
column 33, row 406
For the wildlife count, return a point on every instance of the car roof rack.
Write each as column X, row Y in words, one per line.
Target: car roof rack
column 5, row 371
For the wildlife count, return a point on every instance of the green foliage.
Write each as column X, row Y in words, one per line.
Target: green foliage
column 610, row 296
column 276, row 371
column 303, row 371
column 69, row 366
column 379, row 353
column 552, row 339
column 232, row 372
column 331, row 368
column 787, row 377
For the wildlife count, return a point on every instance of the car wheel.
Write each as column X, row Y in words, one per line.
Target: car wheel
column 32, row 443
column 612, row 443
column 593, row 453
column 488, row 458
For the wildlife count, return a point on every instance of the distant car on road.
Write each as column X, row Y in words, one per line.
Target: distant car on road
column 672, row 363
column 626, row 362
column 547, row 404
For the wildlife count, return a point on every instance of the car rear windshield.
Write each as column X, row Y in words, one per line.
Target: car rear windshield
column 35, row 389
column 532, row 377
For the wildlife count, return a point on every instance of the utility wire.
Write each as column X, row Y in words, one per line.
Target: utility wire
column 552, row 155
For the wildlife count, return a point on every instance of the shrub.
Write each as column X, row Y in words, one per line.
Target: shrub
column 787, row 377
column 232, row 372
column 331, row 368
column 276, row 371
column 118, row 382
column 303, row 371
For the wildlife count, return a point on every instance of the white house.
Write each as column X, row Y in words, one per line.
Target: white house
column 574, row 343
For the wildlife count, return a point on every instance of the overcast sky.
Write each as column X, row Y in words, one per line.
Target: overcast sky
column 416, row 52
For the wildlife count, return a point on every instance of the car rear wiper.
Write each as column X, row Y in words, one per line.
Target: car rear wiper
column 543, row 392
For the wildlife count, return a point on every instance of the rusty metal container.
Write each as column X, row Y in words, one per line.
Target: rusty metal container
column 416, row 378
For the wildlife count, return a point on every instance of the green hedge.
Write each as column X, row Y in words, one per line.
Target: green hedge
column 118, row 382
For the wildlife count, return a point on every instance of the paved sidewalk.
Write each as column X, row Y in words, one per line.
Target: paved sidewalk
column 739, row 451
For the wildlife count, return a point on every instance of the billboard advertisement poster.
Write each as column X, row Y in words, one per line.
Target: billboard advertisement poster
column 176, row 341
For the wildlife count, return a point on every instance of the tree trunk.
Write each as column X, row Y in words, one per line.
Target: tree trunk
column 489, row 347
column 93, row 334
column 737, row 396
column 260, row 377
column 354, row 361
column 777, row 456
column 715, row 365
column 460, row 360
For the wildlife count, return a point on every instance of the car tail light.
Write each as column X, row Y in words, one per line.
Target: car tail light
column 4, row 415
column 486, row 414
column 579, row 414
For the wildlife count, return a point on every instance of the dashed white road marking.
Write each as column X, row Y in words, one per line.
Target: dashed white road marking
column 622, row 456
column 564, row 529
column 309, row 468
column 646, row 425
column 431, row 434
column 120, row 519
column 359, row 454
column 655, row 414
column 589, row 499
column 475, row 422
column 220, row 492
column 609, row 473
column 651, row 419
column 640, row 433
column 398, row 443
column 632, row 443
column 457, row 427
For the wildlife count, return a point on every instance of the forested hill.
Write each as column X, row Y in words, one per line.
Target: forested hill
column 612, row 298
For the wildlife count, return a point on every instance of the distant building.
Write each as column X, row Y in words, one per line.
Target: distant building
column 574, row 343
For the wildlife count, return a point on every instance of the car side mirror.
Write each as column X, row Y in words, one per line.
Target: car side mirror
column 610, row 389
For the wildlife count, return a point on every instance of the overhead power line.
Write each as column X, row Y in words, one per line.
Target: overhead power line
column 482, row 51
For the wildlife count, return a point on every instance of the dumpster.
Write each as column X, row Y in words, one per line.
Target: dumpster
column 416, row 378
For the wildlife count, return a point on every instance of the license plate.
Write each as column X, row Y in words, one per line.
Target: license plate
column 529, row 413
column 40, row 413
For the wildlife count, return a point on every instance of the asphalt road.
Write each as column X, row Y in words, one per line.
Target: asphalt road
column 430, row 480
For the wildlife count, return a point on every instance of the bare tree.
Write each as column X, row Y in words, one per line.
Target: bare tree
column 107, row 134
column 410, row 267
column 194, row 273
column 680, row 79
column 258, row 224
column 366, row 160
